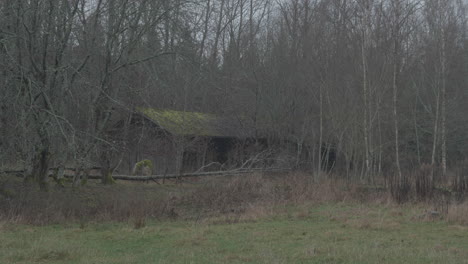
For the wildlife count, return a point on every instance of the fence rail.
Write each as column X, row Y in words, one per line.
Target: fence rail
column 165, row 176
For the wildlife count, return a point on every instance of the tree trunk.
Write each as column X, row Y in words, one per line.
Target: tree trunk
column 205, row 30
column 435, row 136
column 106, row 169
column 443, row 108
column 366, row 107
column 106, row 176
column 319, row 165
column 366, row 94
column 395, row 113
column 396, row 71
column 40, row 170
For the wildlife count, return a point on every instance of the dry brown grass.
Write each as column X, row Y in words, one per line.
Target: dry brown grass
column 246, row 198
column 96, row 204
column 139, row 222
column 239, row 193
column 458, row 214
column 242, row 198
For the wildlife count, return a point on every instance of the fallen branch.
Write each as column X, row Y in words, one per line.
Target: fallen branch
column 240, row 171
column 188, row 175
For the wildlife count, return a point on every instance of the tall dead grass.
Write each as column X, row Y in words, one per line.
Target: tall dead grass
column 100, row 203
column 242, row 192
column 426, row 184
column 239, row 198
column 458, row 214
column 460, row 183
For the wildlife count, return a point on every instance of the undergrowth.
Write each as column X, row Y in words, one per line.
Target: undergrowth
column 229, row 199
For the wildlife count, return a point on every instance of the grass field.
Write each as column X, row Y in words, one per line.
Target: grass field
column 333, row 233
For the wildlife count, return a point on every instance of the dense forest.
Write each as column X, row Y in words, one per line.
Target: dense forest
column 381, row 83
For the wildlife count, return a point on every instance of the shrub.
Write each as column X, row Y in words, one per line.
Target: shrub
column 424, row 184
column 144, row 167
column 460, row 183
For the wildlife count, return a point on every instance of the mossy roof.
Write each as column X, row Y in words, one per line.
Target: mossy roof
column 196, row 124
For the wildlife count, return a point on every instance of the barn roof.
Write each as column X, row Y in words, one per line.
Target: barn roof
column 197, row 124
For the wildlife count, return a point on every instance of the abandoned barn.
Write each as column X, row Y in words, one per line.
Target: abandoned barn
column 179, row 141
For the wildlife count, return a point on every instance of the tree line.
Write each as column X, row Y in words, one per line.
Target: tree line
column 383, row 83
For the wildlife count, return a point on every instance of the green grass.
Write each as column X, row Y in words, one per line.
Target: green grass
column 339, row 233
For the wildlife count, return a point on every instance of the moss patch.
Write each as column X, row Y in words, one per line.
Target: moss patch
column 108, row 179
column 182, row 123
column 138, row 169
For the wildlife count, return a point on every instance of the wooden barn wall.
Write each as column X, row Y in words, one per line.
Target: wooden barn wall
column 147, row 141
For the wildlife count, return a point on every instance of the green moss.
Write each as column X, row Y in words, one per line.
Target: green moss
column 143, row 164
column 84, row 181
column 108, row 179
column 7, row 193
column 59, row 181
column 182, row 123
